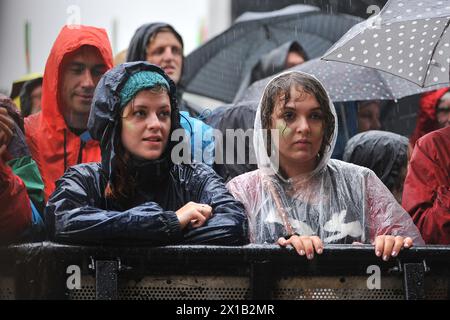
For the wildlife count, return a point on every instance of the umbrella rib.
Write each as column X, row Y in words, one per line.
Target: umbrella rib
column 434, row 50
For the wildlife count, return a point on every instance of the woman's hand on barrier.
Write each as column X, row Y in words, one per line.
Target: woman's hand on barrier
column 195, row 214
column 304, row 245
column 389, row 246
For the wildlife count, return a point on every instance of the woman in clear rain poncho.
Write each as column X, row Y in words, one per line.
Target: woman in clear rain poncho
column 139, row 193
column 310, row 199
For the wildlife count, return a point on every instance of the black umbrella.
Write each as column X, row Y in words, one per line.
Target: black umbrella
column 216, row 69
column 347, row 82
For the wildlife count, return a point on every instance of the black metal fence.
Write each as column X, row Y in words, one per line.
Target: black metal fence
column 53, row 271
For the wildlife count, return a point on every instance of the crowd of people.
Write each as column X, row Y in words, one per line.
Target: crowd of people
column 88, row 159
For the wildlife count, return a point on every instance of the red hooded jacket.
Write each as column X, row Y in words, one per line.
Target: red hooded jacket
column 426, row 119
column 51, row 143
column 426, row 193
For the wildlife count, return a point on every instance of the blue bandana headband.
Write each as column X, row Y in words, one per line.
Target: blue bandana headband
column 140, row 81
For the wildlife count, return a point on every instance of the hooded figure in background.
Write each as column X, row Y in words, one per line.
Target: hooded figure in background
column 284, row 57
column 138, row 194
column 301, row 197
column 57, row 136
column 30, row 97
column 385, row 153
column 427, row 116
column 160, row 44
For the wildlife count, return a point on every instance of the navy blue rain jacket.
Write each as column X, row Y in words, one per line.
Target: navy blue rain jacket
column 78, row 212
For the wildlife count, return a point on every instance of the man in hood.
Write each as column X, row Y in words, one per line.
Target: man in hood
column 160, row 44
column 57, row 135
column 434, row 113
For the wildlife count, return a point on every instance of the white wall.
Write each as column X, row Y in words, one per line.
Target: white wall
column 48, row 16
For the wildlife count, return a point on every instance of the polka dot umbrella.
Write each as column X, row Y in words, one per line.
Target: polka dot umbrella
column 348, row 82
column 408, row 38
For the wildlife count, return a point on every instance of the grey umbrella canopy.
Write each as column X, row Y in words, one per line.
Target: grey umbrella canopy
column 347, row 82
column 216, row 69
column 408, row 38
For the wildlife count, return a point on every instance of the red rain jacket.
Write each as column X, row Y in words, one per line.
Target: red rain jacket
column 48, row 137
column 426, row 193
column 426, row 118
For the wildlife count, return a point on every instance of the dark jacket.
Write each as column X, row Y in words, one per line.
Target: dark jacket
column 78, row 211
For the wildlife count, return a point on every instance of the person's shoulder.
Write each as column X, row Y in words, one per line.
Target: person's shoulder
column 246, row 179
column 434, row 137
column 31, row 123
column 347, row 169
column 88, row 169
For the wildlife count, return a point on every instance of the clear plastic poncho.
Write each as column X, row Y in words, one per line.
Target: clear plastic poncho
column 339, row 202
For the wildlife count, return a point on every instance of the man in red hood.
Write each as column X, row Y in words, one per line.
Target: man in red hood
column 57, row 136
column 434, row 113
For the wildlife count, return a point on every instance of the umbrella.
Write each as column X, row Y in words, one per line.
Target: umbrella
column 216, row 69
column 408, row 38
column 347, row 82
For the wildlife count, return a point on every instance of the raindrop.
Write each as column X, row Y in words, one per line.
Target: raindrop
column 425, row 26
column 413, row 30
column 441, row 52
column 411, row 55
column 388, row 39
column 378, row 55
column 443, row 69
column 389, row 48
column 400, row 70
column 339, row 55
column 435, row 79
column 363, row 41
column 375, row 35
column 352, row 48
column 390, row 58
column 401, row 43
column 411, row 46
column 420, row 78
column 401, row 61
column 401, row 34
column 410, row 74
column 402, row 27
column 378, row 63
column 376, row 45
column 424, row 33
column 414, row 22
column 447, row 44
column 411, row 65
column 365, row 51
column 366, row 60
column 389, row 67
column 352, row 58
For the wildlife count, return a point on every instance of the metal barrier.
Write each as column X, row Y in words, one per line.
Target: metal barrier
column 54, row 271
